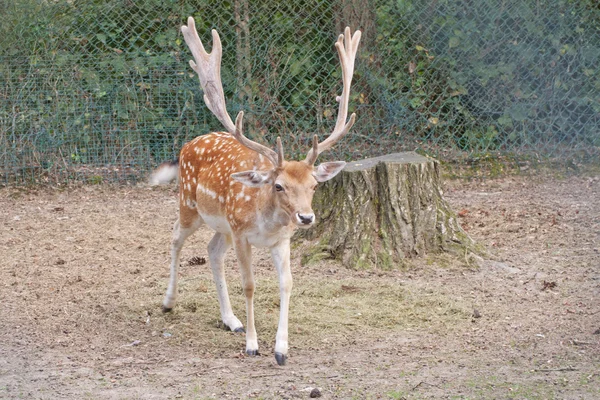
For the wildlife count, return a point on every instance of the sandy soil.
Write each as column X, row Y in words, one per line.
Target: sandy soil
column 84, row 270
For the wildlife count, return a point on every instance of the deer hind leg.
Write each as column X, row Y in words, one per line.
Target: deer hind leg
column 189, row 221
column 217, row 248
column 243, row 251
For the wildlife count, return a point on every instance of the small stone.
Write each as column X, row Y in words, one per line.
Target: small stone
column 315, row 393
column 476, row 313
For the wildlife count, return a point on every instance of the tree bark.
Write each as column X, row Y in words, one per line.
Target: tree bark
column 381, row 211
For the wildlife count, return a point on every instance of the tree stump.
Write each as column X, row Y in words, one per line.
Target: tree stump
column 381, row 211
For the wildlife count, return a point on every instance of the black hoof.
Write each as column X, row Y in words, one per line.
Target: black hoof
column 252, row 352
column 166, row 309
column 281, row 358
column 240, row 330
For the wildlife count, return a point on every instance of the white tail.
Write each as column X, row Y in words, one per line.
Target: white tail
column 166, row 172
column 246, row 192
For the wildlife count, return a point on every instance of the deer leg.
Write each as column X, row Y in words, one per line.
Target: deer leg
column 181, row 231
column 217, row 248
column 281, row 259
column 243, row 251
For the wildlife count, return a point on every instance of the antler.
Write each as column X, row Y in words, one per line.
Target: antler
column 346, row 46
column 275, row 157
column 208, row 68
column 209, row 72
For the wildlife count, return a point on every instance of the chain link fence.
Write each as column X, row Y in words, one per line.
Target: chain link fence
column 100, row 90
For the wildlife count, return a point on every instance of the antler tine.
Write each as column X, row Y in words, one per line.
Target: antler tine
column 346, row 46
column 275, row 158
column 279, row 153
column 208, row 68
column 314, row 152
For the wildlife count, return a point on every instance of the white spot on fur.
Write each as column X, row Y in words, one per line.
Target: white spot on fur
column 207, row 191
column 240, row 194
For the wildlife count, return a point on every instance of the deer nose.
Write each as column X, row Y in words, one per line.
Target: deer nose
column 305, row 219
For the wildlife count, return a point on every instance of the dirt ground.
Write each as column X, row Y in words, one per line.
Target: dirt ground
column 83, row 273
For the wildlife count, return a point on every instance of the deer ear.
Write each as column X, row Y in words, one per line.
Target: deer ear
column 328, row 170
column 253, row 178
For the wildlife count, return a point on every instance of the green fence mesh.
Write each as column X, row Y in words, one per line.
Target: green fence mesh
column 100, row 90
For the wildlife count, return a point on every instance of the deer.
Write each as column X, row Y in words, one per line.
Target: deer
column 247, row 192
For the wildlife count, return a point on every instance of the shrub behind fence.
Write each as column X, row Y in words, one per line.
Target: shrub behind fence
column 96, row 90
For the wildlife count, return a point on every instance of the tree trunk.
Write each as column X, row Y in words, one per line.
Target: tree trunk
column 381, row 211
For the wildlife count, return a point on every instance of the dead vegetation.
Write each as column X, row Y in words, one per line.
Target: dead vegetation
column 84, row 271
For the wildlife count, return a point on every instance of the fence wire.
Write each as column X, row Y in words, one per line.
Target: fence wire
column 101, row 90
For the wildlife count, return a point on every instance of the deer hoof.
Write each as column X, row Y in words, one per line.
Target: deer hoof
column 166, row 309
column 240, row 330
column 281, row 358
column 252, row 352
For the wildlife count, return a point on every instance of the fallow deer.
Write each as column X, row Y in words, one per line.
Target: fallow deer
column 246, row 192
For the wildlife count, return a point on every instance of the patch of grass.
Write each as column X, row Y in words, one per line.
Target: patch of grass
column 397, row 395
column 494, row 165
column 491, row 387
column 95, row 180
column 320, row 312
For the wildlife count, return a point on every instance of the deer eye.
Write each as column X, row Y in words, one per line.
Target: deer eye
column 315, row 187
column 278, row 187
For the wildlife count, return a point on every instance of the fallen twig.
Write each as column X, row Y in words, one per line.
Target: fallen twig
column 264, row 375
column 579, row 343
column 530, row 279
column 569, row 368
column 426, row 383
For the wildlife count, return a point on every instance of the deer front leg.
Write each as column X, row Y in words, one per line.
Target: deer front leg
column 217, row 248
column 243, row 251
column 281, row 259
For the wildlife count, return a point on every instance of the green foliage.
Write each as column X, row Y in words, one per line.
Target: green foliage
column 487, row 76
column 106, row 84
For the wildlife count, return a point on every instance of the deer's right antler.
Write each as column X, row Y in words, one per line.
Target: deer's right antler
column 275, row 158
column 208, row 68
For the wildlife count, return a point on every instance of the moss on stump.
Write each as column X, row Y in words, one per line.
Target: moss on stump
column 381, row 211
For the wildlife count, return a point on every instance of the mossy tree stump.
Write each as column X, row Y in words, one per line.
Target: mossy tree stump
column 381, row 211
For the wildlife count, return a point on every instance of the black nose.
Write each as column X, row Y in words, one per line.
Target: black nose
column 306, row 219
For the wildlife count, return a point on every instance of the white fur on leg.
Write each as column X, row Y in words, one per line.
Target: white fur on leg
column 244, row 255
column 217, row 248
column 281, row 259
column 179, row 236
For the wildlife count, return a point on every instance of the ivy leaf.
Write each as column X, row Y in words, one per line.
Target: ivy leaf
column 505, row 120
column 518, row 113
column 454, row 42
